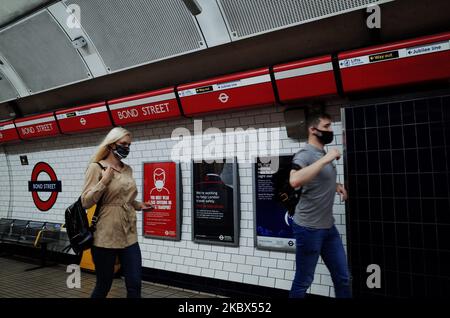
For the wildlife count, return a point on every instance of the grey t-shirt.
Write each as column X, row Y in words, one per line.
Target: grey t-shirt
column 315, row 208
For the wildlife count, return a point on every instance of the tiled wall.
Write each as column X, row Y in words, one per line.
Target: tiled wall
column 399, row 208
column 68, row 155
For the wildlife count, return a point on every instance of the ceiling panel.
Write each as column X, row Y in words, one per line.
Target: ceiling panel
column 250, row 17
column 13, row 9
column 130, row 33
column 41, row 53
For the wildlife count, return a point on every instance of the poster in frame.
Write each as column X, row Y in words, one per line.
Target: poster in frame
column 215, row 202
column 162, row 187
column 272, row 223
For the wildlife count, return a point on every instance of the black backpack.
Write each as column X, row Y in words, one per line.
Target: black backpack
column 81, row 235
column 286, row 195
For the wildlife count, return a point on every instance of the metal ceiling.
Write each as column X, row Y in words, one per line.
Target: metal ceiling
column 133, row 46
column 10, row 10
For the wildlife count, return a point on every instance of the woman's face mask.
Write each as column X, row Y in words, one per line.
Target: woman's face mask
column 121, row 152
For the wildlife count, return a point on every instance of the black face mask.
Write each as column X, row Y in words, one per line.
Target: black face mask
column 325, row 136
column 121, row 152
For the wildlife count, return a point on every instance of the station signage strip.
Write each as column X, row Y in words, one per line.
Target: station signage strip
column 302, row 71
column 82, row 112
column 395, row 54
column 224, row 86
column 138, row 102
column 35, row 121
column 6, row 127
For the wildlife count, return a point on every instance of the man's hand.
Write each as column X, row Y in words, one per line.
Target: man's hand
column 340, row 189
column 332, row 154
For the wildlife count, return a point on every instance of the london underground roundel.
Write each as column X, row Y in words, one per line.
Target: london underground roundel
column 35, row 187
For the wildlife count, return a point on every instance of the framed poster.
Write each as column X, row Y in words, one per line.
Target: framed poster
column 215, row 202
column 272, row 221
column 162, row 188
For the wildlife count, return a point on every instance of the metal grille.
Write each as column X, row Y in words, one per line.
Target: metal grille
column 129, row 33
column 41, row 53
column 250, row 17
column 7, row 91
column 398, row 178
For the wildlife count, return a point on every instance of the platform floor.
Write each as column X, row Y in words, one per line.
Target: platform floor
column 50, row 282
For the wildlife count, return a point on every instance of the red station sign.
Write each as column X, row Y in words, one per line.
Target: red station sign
column 155, row 105
column 38, row 126
column 305, row 79
column 83, row 118
column 400, row 63
column 8, row 132
column 246, row 89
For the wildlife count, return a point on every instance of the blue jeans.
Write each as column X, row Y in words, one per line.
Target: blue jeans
column 310, row 243
column 130, row 262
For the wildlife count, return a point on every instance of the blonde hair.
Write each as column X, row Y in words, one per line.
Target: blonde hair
column 113, row 136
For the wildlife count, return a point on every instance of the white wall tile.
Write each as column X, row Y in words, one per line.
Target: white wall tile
column 250, row 279
column 283, row 284
column 236, row 277
column 276, row 273
column 320, row 290
column 267, row 281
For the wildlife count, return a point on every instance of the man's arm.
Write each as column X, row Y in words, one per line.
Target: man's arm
column 299, row 178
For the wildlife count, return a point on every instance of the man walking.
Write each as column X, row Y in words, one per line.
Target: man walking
column 313, row 227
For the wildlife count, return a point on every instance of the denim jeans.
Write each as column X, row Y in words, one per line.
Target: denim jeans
column 130, row 262
column 310, row 244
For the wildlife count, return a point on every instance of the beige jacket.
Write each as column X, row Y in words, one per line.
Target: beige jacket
column 116, row 226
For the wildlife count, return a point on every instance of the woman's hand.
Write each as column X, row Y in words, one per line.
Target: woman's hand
column 107, row 175
column 146, row 206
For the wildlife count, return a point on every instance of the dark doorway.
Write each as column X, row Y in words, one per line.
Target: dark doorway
column 398, row 213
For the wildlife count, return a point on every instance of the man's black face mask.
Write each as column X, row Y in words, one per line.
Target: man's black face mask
column 324, row 136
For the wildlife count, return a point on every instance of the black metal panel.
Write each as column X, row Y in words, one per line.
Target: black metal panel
column 398, row 174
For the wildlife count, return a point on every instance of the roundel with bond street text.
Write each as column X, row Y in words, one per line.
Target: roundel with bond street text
column 35, row 187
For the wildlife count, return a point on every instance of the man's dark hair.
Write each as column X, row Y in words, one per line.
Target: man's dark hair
column 313, row 119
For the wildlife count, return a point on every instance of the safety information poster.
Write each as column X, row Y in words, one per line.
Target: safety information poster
column 162, row 189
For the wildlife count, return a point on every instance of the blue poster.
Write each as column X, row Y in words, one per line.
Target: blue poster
column 272, row 221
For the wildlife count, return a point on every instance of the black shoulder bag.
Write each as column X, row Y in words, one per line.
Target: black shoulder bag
column 81, row 235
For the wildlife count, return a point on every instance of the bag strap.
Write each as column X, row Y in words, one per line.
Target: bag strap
column 67, row 248
column 97, row 207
